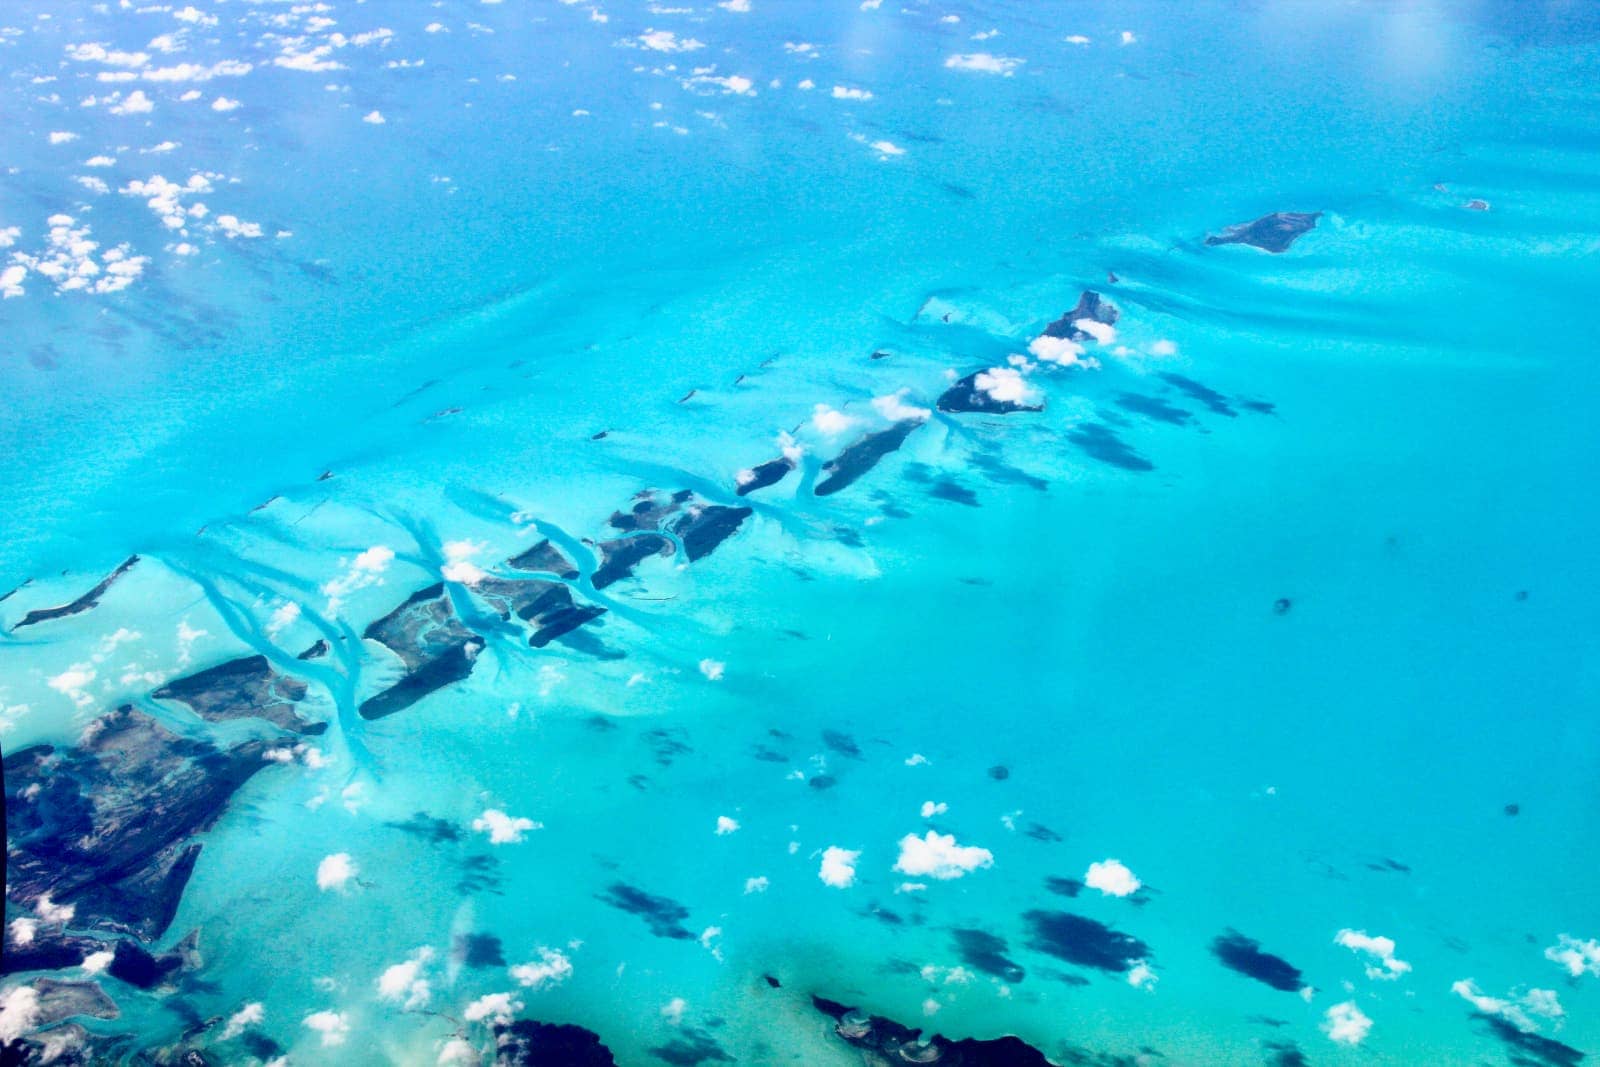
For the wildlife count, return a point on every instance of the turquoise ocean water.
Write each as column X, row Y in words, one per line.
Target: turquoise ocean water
column 1287, row 607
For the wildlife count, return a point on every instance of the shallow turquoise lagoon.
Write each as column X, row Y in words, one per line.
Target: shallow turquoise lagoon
column 645, row 515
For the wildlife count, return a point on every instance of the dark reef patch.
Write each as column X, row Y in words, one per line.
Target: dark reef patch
column 841, row 743
column 1285, row 1054
column 526, row 1043
column 1097, row 441
column 1083, row 941
column 433, row 830
column 883, row 1040
column 692, row 1046
column 857, row 459
column 243, row 689
column 1530, row 1050
column 80, row 605
column 477, row 951
column 1153, row 407
column 108, row 826
column 1213, row 400
column 1091, row 306
column 1242, row 954
column 1272, row 233
column 762, row 475
column 544, row 558
column 663, row 915
column 546, row 606
column 431, row 641
column 986, row 952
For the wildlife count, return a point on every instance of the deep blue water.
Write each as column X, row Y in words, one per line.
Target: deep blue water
column 1284, row 604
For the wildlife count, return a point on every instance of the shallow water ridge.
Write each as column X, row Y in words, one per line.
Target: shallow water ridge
column 775, row 533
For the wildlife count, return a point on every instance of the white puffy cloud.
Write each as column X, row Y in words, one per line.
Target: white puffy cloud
column 1578, row 957
column 1346, row 1024
column 366, row 569
column 930, row 809
column 830, row 422
column 984, row 63
column 1098, row 330
column 283, row 617
column 1141, row 976
column 757, row 884
column 1060, row 350
column 51, row 913
column 335, row 871
column 74, row 683
column 99, row 53
column 374, row 118
column 332, row 1025
column 495, row 1008
column 1379, row 951
column 667, row 41
column 504, row 829
column 232, row 227
column 838, row 867
column 894, row 407
column 551, row 968
column 95, row 962
column 712, row 669
column 1112, row 878
column 194, row 16
column 1006, row 385
column 1519, row 1009
column 19, row 1012
column 135, row 103
column 842, row 92
column 68, row 260
column 1077, row 39
column 726, row 825
column 405, row 983
column 250, row 1015
column 223, row 103
column 62, row 137
column 937, row 855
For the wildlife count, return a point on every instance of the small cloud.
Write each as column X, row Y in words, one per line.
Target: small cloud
column 1379, row 950
column 894, row 408
column 551, row 968
column 335, row 871
column 504, row 829
column 223, row 103
column 374, row 117
column 1112, row 878
column 405, row 984
column 726, row 826
column 984, row 63
column 332, row 1025
column 757, row 884
column 838, row 867
column 930, row 809
column 1578, row 957
column 712, row 669
column 1346, row 1024
column 841, row 92
column 497, row 1009
column 938, row 856
column 62, row 137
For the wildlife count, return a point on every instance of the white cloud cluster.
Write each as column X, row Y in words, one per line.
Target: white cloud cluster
column 667, row 41
column 1112, row 878
column 1062, row 351
column 504, row 829
column 1346, row 1024
column 332, row 1025
column 551, row 968
column 1520, row 1009
column 894, row 407
column 405, row 983
column 19, row 1012
column 713, row 669
column 726, row 826
column 252, row 1014
column 335, row 871
column 842, row 92
column 366, row 569
column 1578, row 957
column 1006, row 385
column 68, row 260
column 930, row 809
column 937, row 855
column 1379, row 950
column 73, row 683
column 984, row 63
column 497, row 1009
column 830, row 422
column 838, row 867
